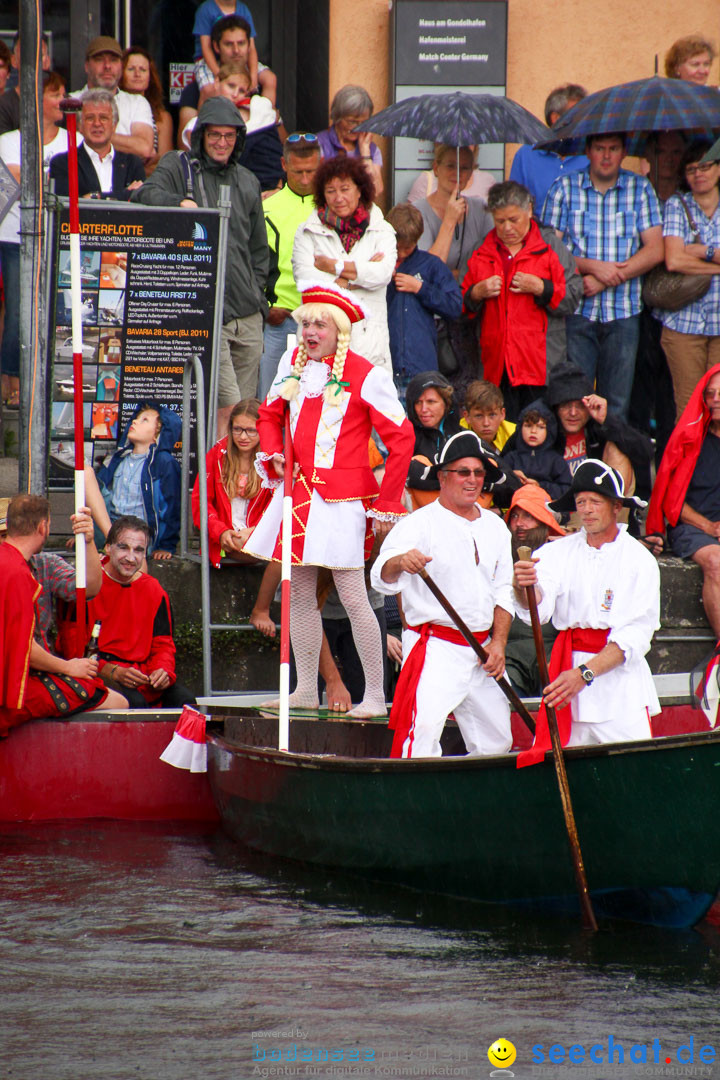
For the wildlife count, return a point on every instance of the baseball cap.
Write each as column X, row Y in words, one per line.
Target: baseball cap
column 101, row 45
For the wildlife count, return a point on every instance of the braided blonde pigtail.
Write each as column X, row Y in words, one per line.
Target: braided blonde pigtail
column 291, row 383
column 334, row 392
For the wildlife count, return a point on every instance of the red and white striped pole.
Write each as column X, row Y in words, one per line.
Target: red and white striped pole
column 70, row 107
column 284, row 715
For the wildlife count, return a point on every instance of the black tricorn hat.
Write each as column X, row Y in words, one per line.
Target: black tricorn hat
column 596, row 476
column 468, row 444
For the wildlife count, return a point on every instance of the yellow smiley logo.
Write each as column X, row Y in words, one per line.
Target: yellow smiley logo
column 502, row 1054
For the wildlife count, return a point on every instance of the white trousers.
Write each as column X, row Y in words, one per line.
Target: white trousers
column 453, row 681
column 630, row 728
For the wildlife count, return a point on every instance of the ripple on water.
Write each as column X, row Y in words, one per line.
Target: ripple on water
column 142, row 951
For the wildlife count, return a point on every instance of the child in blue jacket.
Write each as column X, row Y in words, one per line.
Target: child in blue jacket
column 421, row 288
column 142, row 478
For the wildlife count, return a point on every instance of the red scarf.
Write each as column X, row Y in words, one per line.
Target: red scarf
column 404, row 707
column 350, row 229
column 578, row 639
column 679, row 460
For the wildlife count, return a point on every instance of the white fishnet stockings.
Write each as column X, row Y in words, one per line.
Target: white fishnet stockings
column 350, row 585
column 306, row 636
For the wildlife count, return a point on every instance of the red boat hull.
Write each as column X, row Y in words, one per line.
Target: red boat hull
column 98, row 768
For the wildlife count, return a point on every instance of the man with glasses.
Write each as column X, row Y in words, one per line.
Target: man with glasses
column 285, row 211
column 195, row 180
column 467, row 553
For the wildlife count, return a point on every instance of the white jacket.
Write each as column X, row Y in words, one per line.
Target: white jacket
column 370, row 338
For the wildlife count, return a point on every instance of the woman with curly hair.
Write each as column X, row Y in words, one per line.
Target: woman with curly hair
column 347, row 242
column 140, row 76
column 334, row 398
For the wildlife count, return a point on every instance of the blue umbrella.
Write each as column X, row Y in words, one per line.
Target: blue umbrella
column 458, row 120
column 636, row 109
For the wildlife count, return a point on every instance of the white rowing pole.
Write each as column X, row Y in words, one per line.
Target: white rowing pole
column 284, row 715
column 70, row 107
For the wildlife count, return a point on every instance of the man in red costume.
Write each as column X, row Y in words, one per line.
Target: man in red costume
column 687, row 489
column 136, row 647
column 34, row 682
column 334, row 398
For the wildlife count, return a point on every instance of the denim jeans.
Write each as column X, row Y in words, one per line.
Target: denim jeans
column 606, row 353
column 274, row 345
column 10, row 354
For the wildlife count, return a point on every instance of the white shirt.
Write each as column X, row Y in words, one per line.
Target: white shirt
column 474, row 588
column 614, row 587
column 10, row 146
column 102, row 166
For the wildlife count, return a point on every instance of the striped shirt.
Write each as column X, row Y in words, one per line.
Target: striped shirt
column 607, row 226
column 703, row 315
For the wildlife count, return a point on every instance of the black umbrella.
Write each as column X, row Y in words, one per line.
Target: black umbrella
column 458, row 119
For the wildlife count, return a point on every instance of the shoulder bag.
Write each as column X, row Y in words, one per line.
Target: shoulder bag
column 671, row 290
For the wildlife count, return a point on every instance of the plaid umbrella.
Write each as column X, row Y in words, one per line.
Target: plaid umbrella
column 458, row 120
column 635, row 109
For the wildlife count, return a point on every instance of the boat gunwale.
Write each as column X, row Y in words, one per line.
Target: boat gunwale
column 337, row 762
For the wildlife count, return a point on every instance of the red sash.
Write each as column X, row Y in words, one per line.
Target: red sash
column 576, row 639
column 404, row 707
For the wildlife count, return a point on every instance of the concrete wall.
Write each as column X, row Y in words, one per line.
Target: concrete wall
column 556, row 41
column 247, row 661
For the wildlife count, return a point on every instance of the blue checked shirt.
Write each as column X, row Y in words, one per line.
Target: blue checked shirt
column 604, row 226
column 703, row 315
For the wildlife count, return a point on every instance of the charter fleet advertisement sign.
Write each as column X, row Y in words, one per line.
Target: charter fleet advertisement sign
column 148, row 280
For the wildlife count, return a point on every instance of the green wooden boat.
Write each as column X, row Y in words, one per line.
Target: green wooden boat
column 479, row 828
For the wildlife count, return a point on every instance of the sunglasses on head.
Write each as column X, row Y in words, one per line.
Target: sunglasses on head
column 300, row 136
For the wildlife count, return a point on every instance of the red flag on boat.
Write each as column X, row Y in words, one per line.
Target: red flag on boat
column 187, row 748
column 708, row 692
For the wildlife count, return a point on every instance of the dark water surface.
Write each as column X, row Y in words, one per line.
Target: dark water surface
column 152, row 952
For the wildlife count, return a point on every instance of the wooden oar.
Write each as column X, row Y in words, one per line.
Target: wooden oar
column 472, row 641
column 588, row 915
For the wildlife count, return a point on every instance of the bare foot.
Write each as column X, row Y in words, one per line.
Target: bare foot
column 297, row 701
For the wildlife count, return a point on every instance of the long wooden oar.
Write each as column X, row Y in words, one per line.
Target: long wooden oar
column 502, row 680
column 588, row 915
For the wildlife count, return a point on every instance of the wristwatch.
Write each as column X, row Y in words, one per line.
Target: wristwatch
column 709, row 253
column 587, row 674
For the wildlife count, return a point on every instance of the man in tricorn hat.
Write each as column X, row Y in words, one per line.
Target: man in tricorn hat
column 601, row 588
column 467, row 552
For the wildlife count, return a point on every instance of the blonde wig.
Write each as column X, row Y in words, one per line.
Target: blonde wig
column 334, row 392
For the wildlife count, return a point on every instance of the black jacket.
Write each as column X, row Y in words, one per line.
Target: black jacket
column 126, row 168
column 428, row 441
column 544, row 463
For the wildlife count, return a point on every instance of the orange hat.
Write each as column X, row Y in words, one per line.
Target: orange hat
column 324, row 294
column 533, row 500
